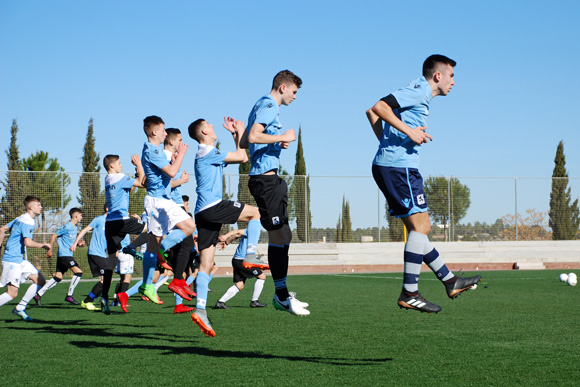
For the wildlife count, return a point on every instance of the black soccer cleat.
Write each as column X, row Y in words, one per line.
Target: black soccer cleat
column 71, row 300
column 37, row 298
column 257, row 304
column 458, row 285
column 220, row 305
column 417, row 302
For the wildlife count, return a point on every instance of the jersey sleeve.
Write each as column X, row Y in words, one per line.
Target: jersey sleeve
column 217, row 158
column 127, row 182
column 408, row 97
column 266, row 114
column 157, row 158
column 27, row 231
column 61, row 231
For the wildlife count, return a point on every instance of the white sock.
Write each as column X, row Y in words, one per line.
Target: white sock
column 51, row 283
column 73, row 284
column 5, row 298
column 230, row 294
column 258, row 286
column 160, row 282
column 31, row 292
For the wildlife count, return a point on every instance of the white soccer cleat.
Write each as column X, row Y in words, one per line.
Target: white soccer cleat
column 291, row 305
column 301, row 303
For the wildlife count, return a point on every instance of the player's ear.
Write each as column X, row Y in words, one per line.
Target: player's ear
column 437, row 76
column 282, row 88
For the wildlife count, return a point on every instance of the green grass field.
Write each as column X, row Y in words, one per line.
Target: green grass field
column 517, row 328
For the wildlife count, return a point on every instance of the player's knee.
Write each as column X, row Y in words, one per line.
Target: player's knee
column 12, row 291
column 40, row 281
column 255, row 214
column 240, row 286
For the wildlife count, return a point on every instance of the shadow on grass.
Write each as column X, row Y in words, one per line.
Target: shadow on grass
column 200, row 351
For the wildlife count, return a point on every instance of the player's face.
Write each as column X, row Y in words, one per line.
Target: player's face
column 446, row 82
column 117, row 166
column 208, row 130
column 160, row 132
column 178, row 140
column 289, row 94
column 35, row 207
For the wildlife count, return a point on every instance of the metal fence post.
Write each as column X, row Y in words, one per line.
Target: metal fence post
column 516, row 203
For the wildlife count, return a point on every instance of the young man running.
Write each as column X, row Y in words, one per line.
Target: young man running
column 211, row 211
column 265, row 140
column 395, row 170
column 15, row 267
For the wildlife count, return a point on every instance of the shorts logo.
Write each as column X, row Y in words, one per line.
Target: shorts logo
column 72, row 263
column 275, row 220
column 406, row 202
column 420, row 199
column 237, row 204
column 255, row 272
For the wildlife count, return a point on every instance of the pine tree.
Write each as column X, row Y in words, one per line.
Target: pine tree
column 91, row 199
column 346, row 232
column 564, row 215
column 14, row 187
column 300, row 194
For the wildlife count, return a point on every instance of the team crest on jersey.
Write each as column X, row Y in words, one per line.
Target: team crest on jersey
column 406, row 202
column 420, row 199
column 237, row 204
column 417, row 86
column 156, row 151
column 275, row 220
column 270, row 105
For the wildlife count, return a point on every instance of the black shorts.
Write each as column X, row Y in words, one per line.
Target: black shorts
column 271, row 195
column 116, row 230
column 97, row 265
column 241, row 273
column 403, row 189
column 209, row 222
column 65, row 263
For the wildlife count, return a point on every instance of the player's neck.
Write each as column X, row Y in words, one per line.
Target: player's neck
column 277, row 97
column 154, row 141
column 31, row 214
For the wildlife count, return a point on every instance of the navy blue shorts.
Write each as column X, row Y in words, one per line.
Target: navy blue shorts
column 403, row 189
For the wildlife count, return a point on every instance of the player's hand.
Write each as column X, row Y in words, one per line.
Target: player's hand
column 48, row 249
column 284, row 145
column 221, row 245
column 73, row 247
column 135, row 159
column 229, row 124
column 418, row 135
column 239, row 126
column 289, row 136
column 182, row 148
column 82, row 243
column 185, row 177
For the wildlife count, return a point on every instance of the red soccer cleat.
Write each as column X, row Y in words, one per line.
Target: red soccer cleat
column 176, row 286
column 180, row 308
column 123, row 297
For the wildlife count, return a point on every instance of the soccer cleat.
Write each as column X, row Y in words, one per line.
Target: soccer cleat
column 252, row 261
column 71, row 300
column 131, row 251
column 417, row 302
column 301, row 303
column 159, row 300
column 22, row 314
column 178, row 287
column 290, row 305
column 458, row 285
column 105, row 306
column 162, row 260
column 149, row 292
column 123, row 297
column 180, row 308
column 89, row 306
column 200, row 318
column 144, row 298
column 257, row 304
column 220, row 305
column 188, row 289
column 37, row 298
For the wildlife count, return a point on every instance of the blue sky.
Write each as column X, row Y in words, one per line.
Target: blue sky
column 64, row 62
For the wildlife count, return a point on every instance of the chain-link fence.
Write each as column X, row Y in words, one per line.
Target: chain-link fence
column 334, row 209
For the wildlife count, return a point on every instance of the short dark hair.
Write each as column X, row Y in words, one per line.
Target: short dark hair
column 286, row 77
column 108, row 160
column 151, row 121
column 171, row 134
column 185, row 198
column 29, row 199
column 74, row 210
column 431, row 63
column 194, row 129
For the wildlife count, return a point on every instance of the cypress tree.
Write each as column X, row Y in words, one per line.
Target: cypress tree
column 14, row 186
column 300, row 193
column 90, row 198
column 564, row 214
column 346, row 234
column 339, row 228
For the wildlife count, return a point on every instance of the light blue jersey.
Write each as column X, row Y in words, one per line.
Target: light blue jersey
column 66, row 237
column 242, row 247
column 175, row 194
column 20, row 228
column 117, row 189
column 209, row 164
column 126, row 241
column 396, row 149
column 153, row 160
column 265, row 157
column 98, row 245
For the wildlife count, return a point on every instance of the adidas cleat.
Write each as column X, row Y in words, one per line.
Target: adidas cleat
column 22, row 314
column 89, row 306
column 200, row 318
column 458, row 285
column 252, row 261
column 290, row 305
column 417, row 302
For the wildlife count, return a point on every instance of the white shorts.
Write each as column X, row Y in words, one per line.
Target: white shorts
column 15, row 273
column 125, row 263
column 163, row 215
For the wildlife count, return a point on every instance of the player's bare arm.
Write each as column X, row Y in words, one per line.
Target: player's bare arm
column 385, row 113
column 237, row 129
column 172, row 169
column 3, row 230
column 376, row 123
column 79, row 237
column 182, row 180
column 139, row 172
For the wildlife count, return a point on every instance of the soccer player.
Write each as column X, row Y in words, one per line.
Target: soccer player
column 15, row 267
column 65, row 236
column 240, row 272
column 265, row 140
column 118, row 187
column 395, row 170
column 165, row 217
column 211, row 211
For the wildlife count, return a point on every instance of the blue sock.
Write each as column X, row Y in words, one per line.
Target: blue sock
column 173, row 238
column 437, row 265
column 189, row 280
column 210, row 277
column 202, row 288
column 254, row 228
column 149, row 263
column 135, row 289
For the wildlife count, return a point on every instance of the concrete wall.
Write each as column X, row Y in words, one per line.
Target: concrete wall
column 320, row 258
